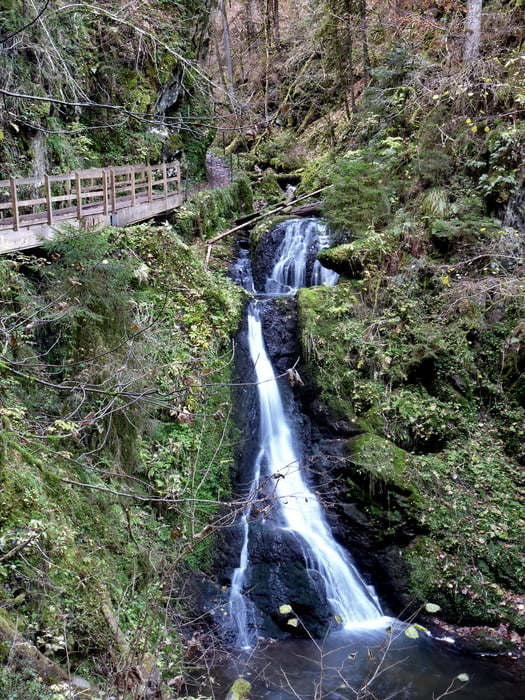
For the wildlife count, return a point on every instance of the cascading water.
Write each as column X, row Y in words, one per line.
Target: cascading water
column 278, row 462
column 303, row 239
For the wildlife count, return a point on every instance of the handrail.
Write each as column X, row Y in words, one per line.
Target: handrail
column 31, row 201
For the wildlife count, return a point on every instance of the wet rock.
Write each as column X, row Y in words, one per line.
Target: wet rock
column 280, row 332
column 279, row 576
column 264, row 255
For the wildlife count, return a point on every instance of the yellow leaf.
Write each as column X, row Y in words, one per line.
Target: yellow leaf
column 411, row 632
column 432, row 607
column 293, row 622
column 474, row 129
column 445, row 280
column 285, row 609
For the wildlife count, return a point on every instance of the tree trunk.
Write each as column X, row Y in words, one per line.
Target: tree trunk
column 276, row 24
column 227, row 53
column 364, row 38
column 472, row 29
column 272, row 22
column 250, row 24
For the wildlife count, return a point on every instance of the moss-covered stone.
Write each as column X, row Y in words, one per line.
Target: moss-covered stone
column 206, row 212
column 240, row 690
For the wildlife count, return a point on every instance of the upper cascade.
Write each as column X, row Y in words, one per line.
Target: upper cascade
column 296, row 265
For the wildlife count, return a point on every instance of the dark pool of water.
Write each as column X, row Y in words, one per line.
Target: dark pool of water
column 339, row 668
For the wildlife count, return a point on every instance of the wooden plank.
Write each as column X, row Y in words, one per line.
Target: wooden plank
column 150, row 184
column 14, row 203
column 49, row 204
column 79, row 195
column 21, row 181
column 105, row 207
column 133, row 192
column 137, row 192
column 113, row 192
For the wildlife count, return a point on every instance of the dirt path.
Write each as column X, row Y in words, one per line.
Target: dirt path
column 219, row 175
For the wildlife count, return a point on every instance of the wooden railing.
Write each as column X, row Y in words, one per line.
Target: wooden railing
column 26, row 202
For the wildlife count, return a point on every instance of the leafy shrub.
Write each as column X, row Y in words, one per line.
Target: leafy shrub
column 359, row 197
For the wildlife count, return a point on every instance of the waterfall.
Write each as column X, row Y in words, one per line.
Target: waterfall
column 352, row 602
column 303, row 239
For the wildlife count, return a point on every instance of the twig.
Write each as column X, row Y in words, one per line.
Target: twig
column 18, row 547
column 265, row 214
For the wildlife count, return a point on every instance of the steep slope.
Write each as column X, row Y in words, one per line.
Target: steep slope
column 418, row 351
column 115, row 448
column 101, row 84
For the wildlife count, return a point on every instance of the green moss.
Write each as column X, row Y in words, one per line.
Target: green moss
column 240, row 690
column 205, row 213
column 380, row 458
column 418, row 363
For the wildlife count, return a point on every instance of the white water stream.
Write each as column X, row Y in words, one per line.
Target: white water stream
column 352, row 602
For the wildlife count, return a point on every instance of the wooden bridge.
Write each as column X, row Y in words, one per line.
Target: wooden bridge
column 32, row 209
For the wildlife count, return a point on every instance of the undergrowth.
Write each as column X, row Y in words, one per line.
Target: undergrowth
column 115, row 446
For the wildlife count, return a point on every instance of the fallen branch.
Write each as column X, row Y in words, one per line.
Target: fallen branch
column 114, row 625
column 23, row 654
column 265, row 214
column 18, row 547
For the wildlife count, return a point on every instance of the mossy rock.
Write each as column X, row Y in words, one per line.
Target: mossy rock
column 240, row 690
column 342, row 259
column 380, row 458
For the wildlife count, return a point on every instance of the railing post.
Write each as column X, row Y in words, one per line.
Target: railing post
column 150, row 183
column 104, row 192
column 49, row 203
column 14, row 202
column 79, row 194
column 113, row 191
column 165, row 179
column 66, row 203
column 133, row 185
column 177, row 171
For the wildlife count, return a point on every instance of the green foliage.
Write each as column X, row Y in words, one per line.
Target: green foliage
column 115, row 449
column 359, row 196
column 119, row 65
column 417, row 364
column 206, row 212
column 505, row 145
column 280, row 152
column 27, row 686
column 397, row 64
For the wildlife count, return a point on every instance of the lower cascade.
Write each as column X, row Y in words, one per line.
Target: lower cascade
column 283, row 517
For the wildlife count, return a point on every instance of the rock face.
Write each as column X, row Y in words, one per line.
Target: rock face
column 264, row 256
column 279, row 576
column 515, row 213
column 278, row 572
column 376, row 545
column 280, row 332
